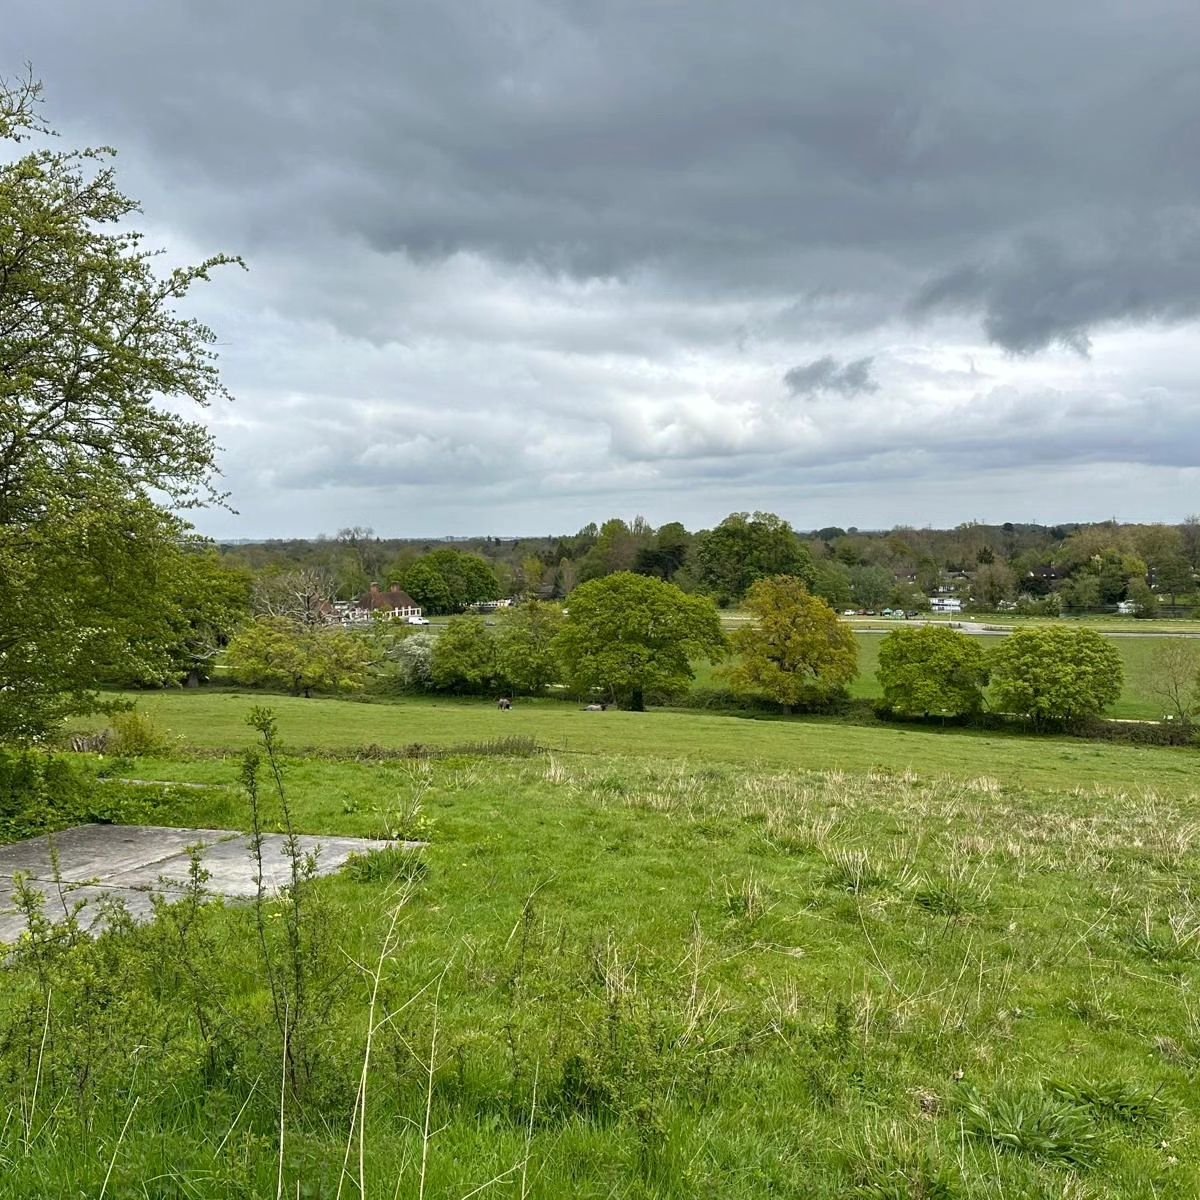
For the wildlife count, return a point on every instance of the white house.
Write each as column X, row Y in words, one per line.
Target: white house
column 945, row 604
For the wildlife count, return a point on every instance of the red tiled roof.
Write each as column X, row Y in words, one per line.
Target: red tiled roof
column 394, row 597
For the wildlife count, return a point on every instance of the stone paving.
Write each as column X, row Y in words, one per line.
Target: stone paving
column 133, row 862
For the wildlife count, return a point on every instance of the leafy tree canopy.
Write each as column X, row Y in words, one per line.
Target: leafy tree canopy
column 91, row 346
column 630, row 635
column 795, row 651
column 276, row 652
column 464, row 656
column 932, row 670
column 526, row 657
column 1055, row 675
column 747, row 547
column 449, row 581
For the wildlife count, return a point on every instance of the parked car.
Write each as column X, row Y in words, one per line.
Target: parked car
column 418, row 621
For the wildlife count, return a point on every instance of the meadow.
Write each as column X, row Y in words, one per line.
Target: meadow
column 668, row 955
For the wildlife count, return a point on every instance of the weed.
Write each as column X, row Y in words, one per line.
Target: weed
column 957, row 893
column 392, row 864
column 1117, row 1100
column 853, row 871
column 1031, row 1121
column 745, row 899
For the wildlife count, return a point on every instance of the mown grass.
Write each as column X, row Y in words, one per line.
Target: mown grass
column 213, row 720
column 681, row 955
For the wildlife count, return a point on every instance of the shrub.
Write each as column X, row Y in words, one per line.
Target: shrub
column 38, row 791
column 135, row 734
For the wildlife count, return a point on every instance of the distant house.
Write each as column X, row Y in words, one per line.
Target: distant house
column 945, row 604
column 394, row 602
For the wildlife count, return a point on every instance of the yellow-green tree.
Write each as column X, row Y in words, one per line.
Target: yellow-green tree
column 279, row 653
column 795, row 651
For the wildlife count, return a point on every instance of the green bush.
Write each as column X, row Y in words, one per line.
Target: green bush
column 134, row 734
column 37, row 792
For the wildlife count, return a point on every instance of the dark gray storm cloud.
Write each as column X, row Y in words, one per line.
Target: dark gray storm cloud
column 826, row 374
column 1016, row 161
column 589, row 235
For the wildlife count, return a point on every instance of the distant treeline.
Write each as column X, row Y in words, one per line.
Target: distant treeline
column 1035, row 568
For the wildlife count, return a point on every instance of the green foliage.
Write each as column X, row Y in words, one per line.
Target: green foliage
column 449, row 581
column 871, row 587
column 616, row 549
column 275, row 652
column 831, row 581
column 406, row 660
column 931, row 670
column 1144, row 600
column 203, row 603
column 37, row 791
column 665, row 558
column 745, row 548
column 90, row 347
column 1033, row 1122
column 135, row 734
column 464, row 656
column 526, row 657
column 393, row 864
column 1118, row 1100
column 640, row 970
column 795, row 650
column 629, row 635
column 1054, row 674
column 991, row 584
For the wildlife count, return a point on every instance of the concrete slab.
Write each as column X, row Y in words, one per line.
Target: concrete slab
column 134, row 862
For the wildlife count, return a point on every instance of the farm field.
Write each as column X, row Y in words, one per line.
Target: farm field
column 686, row 955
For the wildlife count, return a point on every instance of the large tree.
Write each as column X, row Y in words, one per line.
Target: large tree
column 1054, row 675
column 795, row 650
column 747, row 547
column 932, row 670
column 206, row 601
column 96, row 370
column 526, row 657
column 449, row 581
column 464, row 656
column 630, row 635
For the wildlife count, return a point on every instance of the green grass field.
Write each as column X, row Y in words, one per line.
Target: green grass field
column 675, row 955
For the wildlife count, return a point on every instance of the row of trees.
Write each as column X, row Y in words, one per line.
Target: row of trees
column 629, row 638
column 625, row 637
column 1051, row 675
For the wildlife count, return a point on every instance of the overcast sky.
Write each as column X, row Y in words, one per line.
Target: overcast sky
column 518, row 266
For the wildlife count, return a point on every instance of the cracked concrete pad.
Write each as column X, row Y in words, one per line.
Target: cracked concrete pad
column 133, row 862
